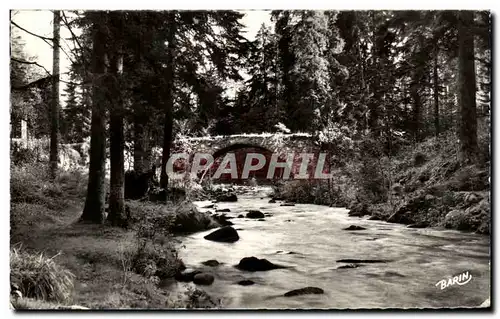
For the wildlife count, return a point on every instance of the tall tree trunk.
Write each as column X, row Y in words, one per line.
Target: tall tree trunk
column 54, row 114
column 467, row 88
column 96, row 193
column 435, row 79
column 169, row 101
column 117, row 215
column 417, row 109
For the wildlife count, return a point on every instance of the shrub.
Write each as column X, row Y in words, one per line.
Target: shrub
column 153, row 254
column 40, row 277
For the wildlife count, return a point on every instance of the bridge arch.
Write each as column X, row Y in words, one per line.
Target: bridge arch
column 241, row 150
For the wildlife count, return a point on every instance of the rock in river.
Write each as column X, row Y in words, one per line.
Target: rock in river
column 255, row 214
column 222, row 220
column 246, row 282
column 305, row 291
column 230, row 197
column 225, row 234
column 256, row 264
column 354, row 227
column 186, row 276
column 203, row 279
column 272, row 201
column 211, row 263
column 223, row 210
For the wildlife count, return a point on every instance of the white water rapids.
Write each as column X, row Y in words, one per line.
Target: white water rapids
column 309, row 240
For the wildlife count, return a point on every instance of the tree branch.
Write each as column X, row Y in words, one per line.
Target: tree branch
column 66, row 23
column 33, row 34
column 41, row 66
column 30, row 62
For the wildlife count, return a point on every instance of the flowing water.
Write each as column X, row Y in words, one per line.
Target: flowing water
column 309, row 240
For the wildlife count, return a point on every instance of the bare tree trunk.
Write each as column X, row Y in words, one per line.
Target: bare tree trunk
column 95, row 201
column 467, row 88
column 169, row 102
column 117, row 215
column 436, row 92
column 54, row 114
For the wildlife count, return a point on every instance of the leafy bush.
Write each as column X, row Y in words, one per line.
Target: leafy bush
column 40, row 277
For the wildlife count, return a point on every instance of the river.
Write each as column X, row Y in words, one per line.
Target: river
column 309, row 240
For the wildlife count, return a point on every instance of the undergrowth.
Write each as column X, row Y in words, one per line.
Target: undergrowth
column 38, row 276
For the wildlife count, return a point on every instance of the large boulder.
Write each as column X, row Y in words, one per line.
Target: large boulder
column 203, row 279
column 456, row 219
column 256, row 264
column 227, row 197
column 225, row 234
column 255, row 214
column 304, row 291
column 188, row 219
column 474, row 218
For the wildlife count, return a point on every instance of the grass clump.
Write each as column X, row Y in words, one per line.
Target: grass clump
column 40, row 277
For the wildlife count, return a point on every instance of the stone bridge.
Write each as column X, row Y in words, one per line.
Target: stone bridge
column 267, row 144
column 218, row 146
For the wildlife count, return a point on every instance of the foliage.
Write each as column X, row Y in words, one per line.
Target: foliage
column 38, row 276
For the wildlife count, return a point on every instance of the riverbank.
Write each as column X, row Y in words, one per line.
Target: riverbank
column 421, row 186
column 58, row 262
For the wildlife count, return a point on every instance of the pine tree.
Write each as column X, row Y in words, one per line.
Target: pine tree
column 95, row 200
column 467, row 88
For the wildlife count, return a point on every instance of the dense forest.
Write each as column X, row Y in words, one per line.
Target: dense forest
column 400, row 99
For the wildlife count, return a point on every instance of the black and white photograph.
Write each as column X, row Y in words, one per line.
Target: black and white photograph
column 250, row 159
